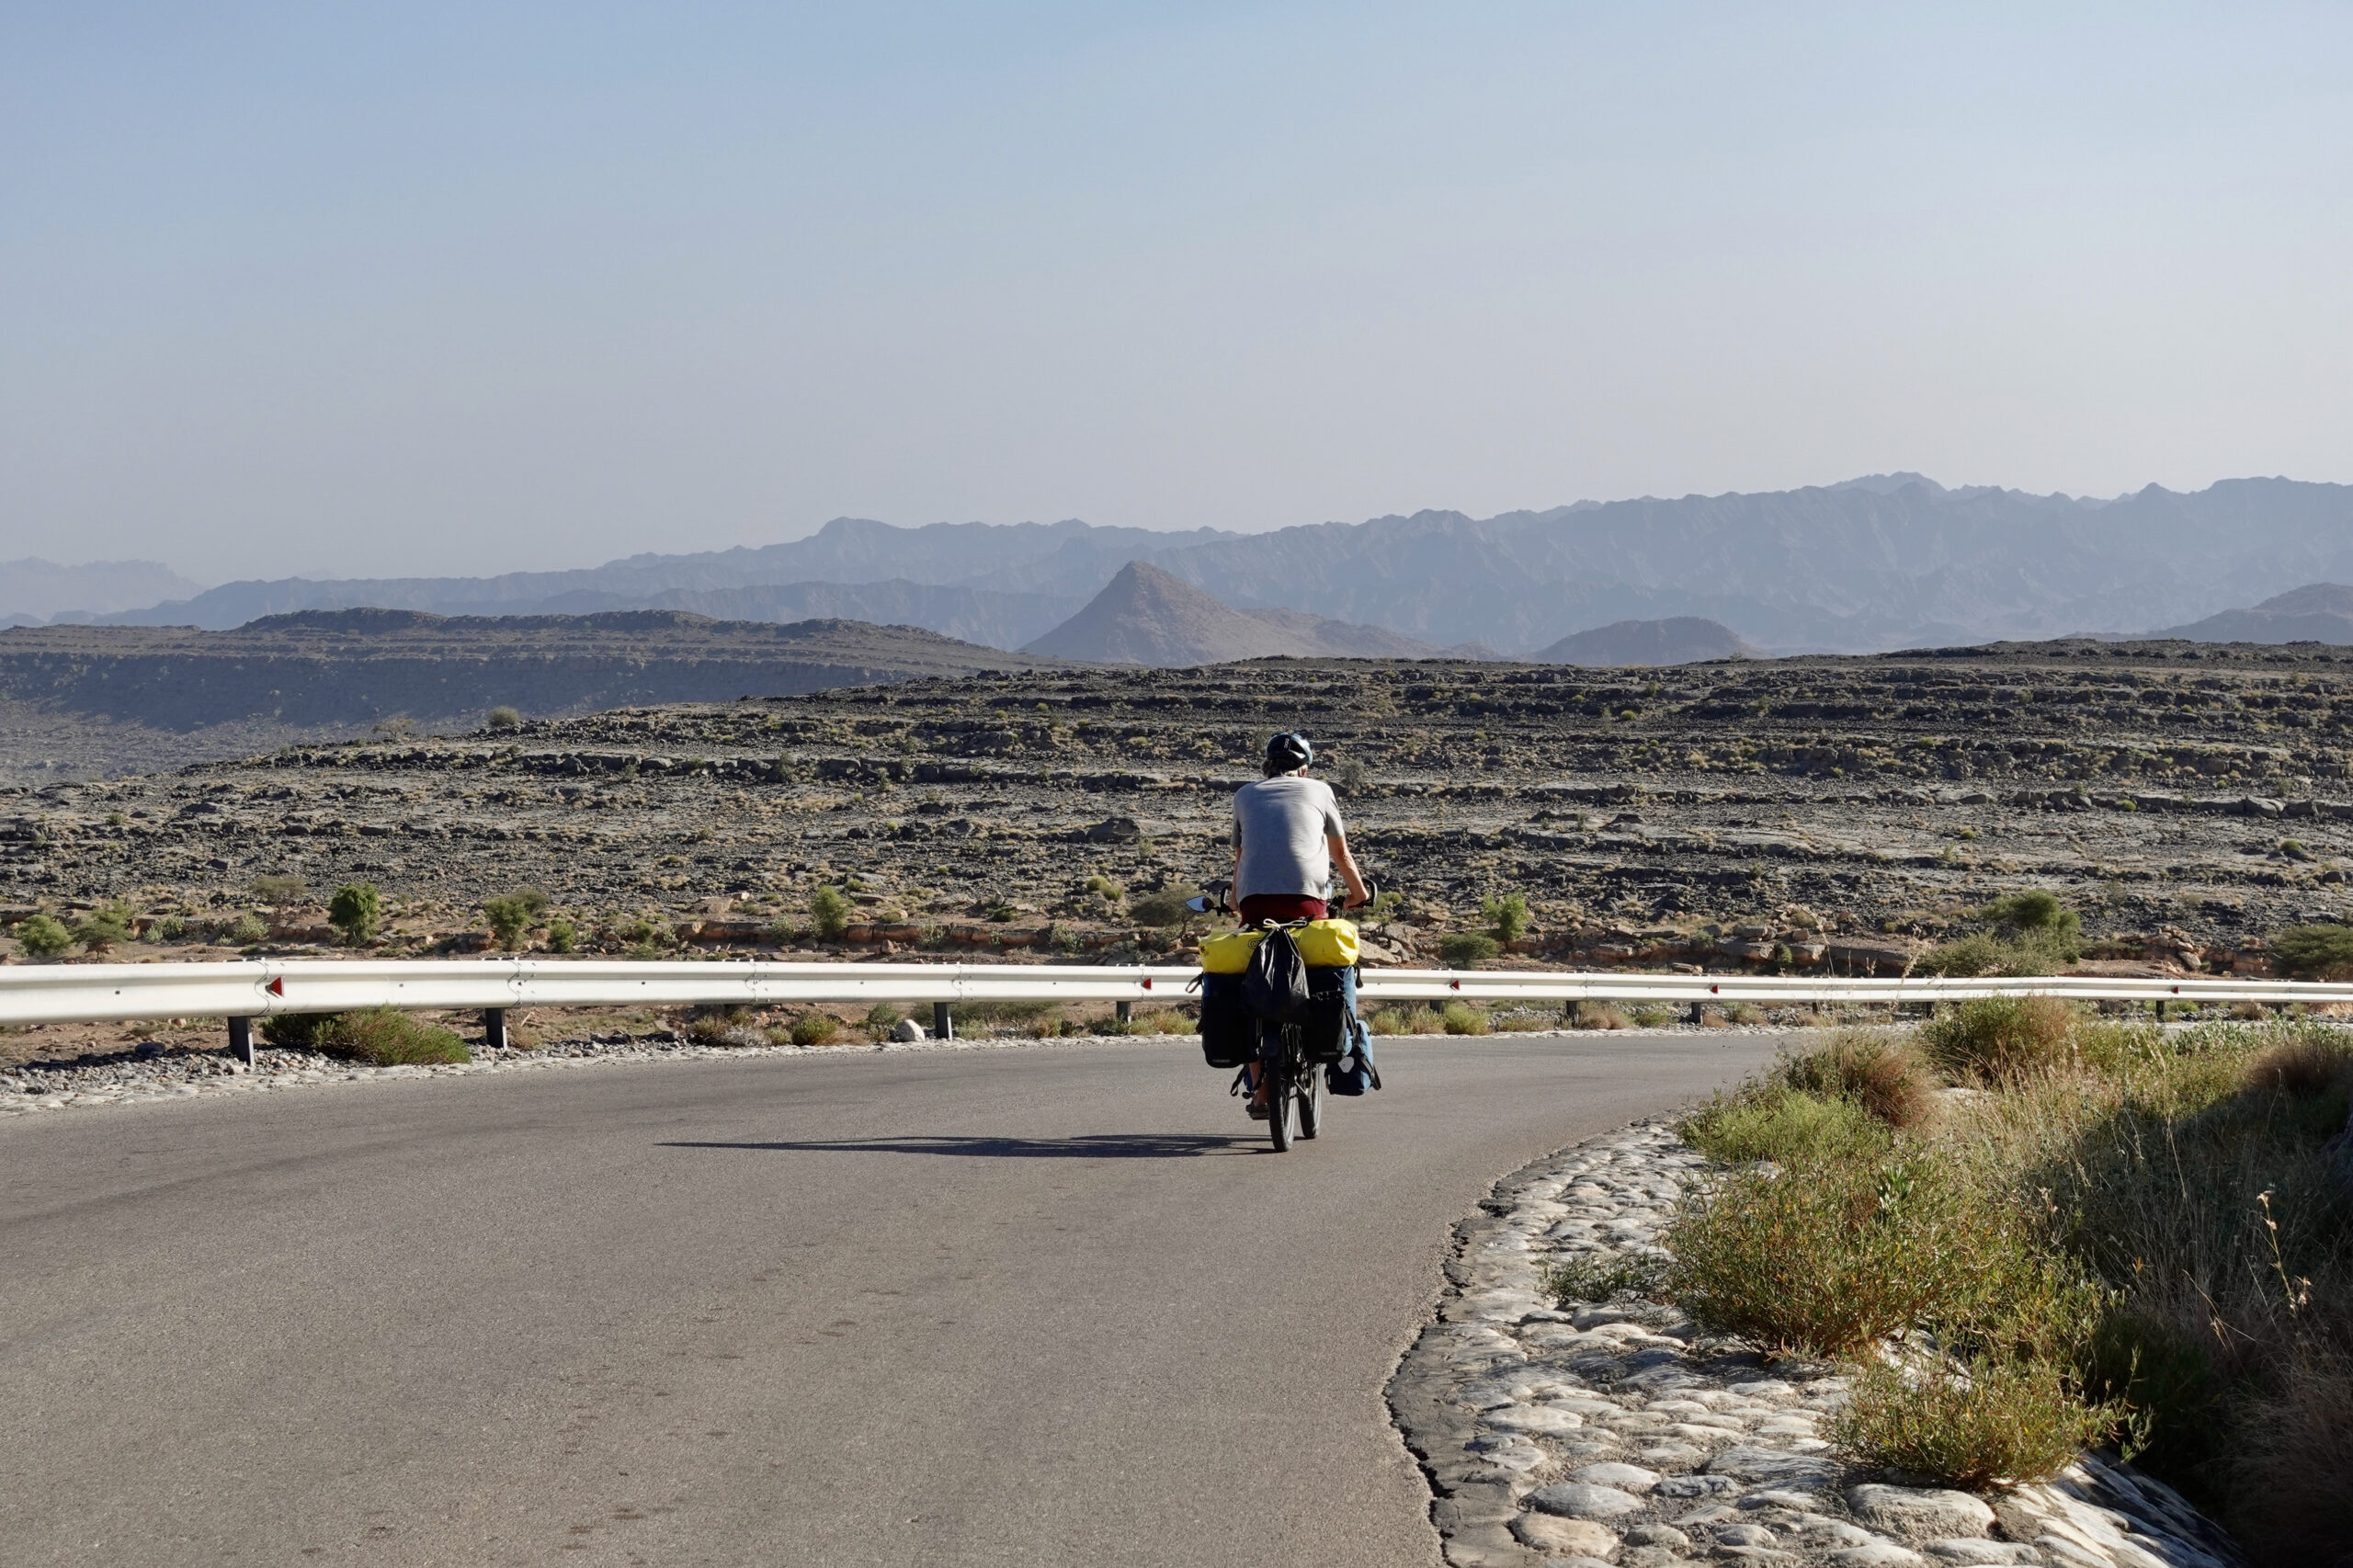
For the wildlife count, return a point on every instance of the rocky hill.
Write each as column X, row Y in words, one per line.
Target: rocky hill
column 1143, row 616
column 1678, row 640
column 1820, row 814
column 81, row 696
column 2318, row 612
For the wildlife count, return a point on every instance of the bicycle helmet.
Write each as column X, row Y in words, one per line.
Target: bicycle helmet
column 1287, row 752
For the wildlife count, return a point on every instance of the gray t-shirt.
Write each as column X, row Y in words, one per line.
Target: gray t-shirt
column 1280, row 825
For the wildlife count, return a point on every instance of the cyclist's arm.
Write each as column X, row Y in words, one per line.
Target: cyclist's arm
column 1338, row 845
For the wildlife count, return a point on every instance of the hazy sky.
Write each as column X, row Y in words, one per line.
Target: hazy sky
column 437, row 288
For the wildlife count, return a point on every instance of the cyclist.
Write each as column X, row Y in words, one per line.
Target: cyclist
column 1288, row 837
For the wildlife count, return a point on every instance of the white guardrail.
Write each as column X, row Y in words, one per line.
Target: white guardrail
column 244, row 990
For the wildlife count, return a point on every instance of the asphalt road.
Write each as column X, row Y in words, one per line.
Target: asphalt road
column 1048, row 1305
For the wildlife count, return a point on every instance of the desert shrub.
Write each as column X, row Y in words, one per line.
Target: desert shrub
column 1506, row 917
column 1882, row 1071
column 724, row 1026
column 169, row 928
column 563, row 937
column 280, row 892
column 646, row 935
column 379, row 1036
column 2035, row 912
column 1996, row 1038
column 245, row 931
column 1603, row 1276
column 1388, row 1020
column 1843, row 1252
column 1653, row 1016
column 357, row 910
column 1790, row 1126
column 1466, row 949
column 1460, row 1018
column 103, row 927
column 879, row 1020
column 2031, row 933
column 386, row 1037
column 502, row 718
column 2316, row 952
column 1993, row 1420
column 1521, row 1023
column 43, row 936
column 829, row 911
column 294, row 1031
column 1601, row 1016
column 1104, row 887
column 815, row 1028
column 1162, row 907
column 511, row 915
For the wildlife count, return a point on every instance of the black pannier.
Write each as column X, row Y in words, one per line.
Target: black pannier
column 1325, row 1023
column 1229, row 1030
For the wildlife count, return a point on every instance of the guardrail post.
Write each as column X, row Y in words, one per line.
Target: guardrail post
column 1695, row 1013
column 1126, row 1010
column 1569, row 1014
column 943, row 1023
column 2161, row 1010
column 241, row 1039
column 494, row 1027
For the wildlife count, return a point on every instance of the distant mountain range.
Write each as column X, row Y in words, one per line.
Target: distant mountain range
column 1883, row 562
column 34, row 590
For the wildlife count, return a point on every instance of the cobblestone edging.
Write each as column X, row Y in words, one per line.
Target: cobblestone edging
column 131, row 1079
column 1620, row 1435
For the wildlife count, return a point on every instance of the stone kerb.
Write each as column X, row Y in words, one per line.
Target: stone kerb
column 1617, row 1434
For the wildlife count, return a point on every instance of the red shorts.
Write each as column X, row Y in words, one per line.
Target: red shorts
column 1280, row 906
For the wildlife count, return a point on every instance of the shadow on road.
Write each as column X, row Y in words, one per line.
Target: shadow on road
column 1092, row 1146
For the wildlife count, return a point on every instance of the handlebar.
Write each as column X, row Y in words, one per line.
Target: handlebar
column 1218, row 898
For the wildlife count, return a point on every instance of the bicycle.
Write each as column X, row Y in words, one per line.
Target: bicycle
column 1296, row 1090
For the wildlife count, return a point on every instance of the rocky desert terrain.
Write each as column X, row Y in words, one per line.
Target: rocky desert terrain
column 1832, row 812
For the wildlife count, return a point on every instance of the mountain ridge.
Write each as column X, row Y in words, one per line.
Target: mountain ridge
column 1877, row 562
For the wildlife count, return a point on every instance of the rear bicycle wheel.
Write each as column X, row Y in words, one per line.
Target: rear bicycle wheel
column 1279, row 1103
column 1309, row 1094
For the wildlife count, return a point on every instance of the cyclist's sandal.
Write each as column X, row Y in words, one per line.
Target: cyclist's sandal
column 1241, row 1087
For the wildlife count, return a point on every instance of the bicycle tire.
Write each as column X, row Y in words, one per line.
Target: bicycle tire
column 1310, row 1095
column 1279, row 1108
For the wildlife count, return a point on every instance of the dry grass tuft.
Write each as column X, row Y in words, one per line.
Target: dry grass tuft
column 2001, row 1038
column 2295, row 1448
column 1878, row 1069
column 1990, row 1421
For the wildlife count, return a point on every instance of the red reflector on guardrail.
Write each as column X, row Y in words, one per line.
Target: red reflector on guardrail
column 277, row 986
